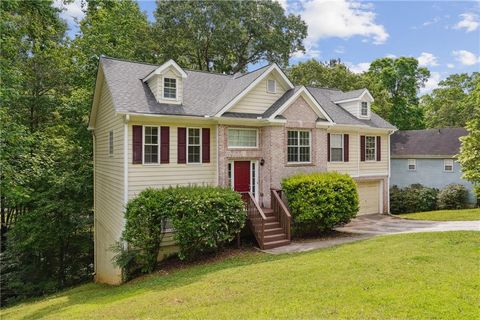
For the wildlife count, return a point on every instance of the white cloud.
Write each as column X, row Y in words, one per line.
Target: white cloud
column 427, row 59
column 469, row 22
column 466, row 57
column 340, row 50
column 391, row 56
column 431, row 83
column 342, row 19
column 310, row 53
column 359, row 67
column 450, row 65
column 430, row 22
column 71, row 12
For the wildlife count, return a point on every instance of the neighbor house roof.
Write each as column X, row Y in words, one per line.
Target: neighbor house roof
column 205, row 94
column 429, row 142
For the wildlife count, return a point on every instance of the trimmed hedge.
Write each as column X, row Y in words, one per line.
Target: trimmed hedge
column 453, row 196
column 205, row 218
column 320, row 201
column 415, row 198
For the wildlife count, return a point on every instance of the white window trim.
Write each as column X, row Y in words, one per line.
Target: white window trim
column 244, row 129
column 309, row 147
column 200, row 144
column 256, row 193
column 257, row 175
column 412, row 162
column 368, row 110
column 143, row 146
column 374, row 149
column 163, row 89
column 274, row 86
column 342, row 147
column 111, row 148
column 445, row 164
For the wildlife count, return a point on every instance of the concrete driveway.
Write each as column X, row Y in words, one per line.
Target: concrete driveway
column 367, row 226
column 376, row 224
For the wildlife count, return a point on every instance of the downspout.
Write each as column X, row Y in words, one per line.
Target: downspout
column 125, row 172
column 94, row 208
column 389, row 172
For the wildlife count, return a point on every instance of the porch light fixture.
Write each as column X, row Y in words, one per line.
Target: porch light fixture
column 262, row 162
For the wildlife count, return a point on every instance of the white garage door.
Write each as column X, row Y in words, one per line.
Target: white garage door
column 369, row 197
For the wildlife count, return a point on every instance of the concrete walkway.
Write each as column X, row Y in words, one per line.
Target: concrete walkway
column 367, row 226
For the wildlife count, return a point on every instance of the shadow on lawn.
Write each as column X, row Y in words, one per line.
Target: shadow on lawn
column 158, row 281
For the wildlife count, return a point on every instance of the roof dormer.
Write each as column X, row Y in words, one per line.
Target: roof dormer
column 166, row 83
column 357, row 102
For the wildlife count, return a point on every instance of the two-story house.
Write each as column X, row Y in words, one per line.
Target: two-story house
column 160, row 126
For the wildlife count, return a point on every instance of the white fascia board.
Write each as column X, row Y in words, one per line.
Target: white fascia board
column 252, row 85
column 96, row 98
column 163, row 67
column 297, row 94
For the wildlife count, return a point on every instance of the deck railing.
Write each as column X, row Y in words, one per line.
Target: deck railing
column 281, row 211
column 256, row 217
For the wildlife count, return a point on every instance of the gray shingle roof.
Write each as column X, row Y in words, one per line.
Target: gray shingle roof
column 339, row 96
column 443, row 141
column 205, row 94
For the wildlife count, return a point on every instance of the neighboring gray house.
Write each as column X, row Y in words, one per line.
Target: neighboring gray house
column 427, row 157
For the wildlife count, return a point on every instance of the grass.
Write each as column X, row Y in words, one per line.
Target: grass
column 445, row 215
column 407, row 276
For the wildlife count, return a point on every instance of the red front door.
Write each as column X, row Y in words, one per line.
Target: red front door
column 241, row 174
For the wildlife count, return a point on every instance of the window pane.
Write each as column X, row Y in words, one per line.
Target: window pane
column 304, row 138
column 292, row 154
column 364, row 108
column 292, row 138
column 336, row 154
column 193, row 136
column 242, row 138
column 151, row 154
column 370, row 148
column 304, row 154
column 336, row 141
column 194, row 154
column 170, row 88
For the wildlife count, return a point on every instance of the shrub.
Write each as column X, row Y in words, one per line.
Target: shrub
column 414, row 198
column 205, row 218
column 453, row 196
column 146, row 217
column 320, row 201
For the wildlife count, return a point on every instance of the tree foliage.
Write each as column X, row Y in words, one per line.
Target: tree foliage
column 226, row 36
column 451, row 104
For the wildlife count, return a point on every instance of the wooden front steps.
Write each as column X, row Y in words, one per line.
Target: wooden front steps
column 270, row 226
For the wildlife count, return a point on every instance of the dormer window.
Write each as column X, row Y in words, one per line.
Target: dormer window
column 169, row 88
column 271, row 86
column 364, row 109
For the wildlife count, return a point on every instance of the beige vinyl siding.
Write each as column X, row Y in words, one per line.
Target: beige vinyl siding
column 353, row 107
column 108, row 187
column 258, row 99
column 172, row 174
column 354, row 166
column 350, row 167
column 376, row 167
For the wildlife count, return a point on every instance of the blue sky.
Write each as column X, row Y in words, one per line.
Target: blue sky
column 443, row 35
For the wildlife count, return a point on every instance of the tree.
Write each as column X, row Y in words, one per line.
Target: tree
column 449, row 104
column 402, row 78
column 226, row 36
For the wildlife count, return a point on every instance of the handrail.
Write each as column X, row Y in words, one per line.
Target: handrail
column 281, row 211
column 256, row 217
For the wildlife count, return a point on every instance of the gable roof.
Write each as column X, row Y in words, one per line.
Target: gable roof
column 429, row 142
column 351, row 95
column 207, row 94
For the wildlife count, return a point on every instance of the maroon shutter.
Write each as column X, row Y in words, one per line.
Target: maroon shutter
column 164, row 144
column 137, row 144
column 328, row 146
column 182, row 145
column 206, row 145
column 362, row 148
column 379, row 148
column 346, row 150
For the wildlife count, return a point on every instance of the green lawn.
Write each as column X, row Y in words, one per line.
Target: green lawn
column 407, row 276
column 445, row 215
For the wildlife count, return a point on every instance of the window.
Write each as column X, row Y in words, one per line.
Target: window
column 364, row 111
column 298, row 146
column 150, row 145
column 110, row 143
column 412, row 164
column 242, row 138
column 448, row 165
column 336, row 147
column 370, row 148
column 193, row 145
column 271, row 86
column 230, row 174
column 253, row 178
column 169, row 88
